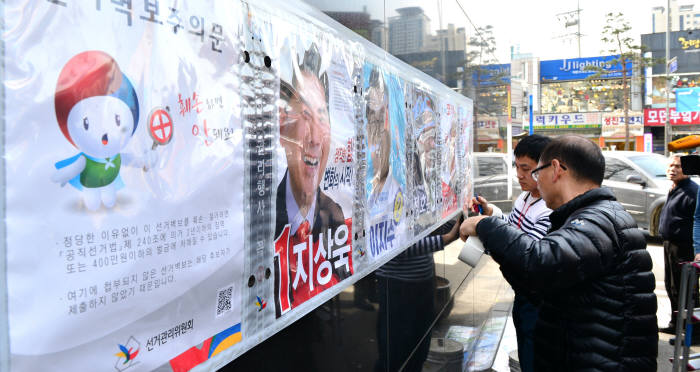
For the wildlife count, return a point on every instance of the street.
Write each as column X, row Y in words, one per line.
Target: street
column 663, row 313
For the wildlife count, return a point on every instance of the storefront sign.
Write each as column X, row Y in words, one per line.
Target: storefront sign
column 490, row 75
column 487, row 128
column 684, row 46
column 614, row 124
column 656, row 117
column 688, row 99
column 578, row 68
column 689, row 43
column 568, row 121
column 648, row 142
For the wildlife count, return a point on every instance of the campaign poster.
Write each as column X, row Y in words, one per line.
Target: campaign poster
column 449, row 168
column 314, row 187
column 425, row 172
column 385, row 180
column 124, row 157
column 464, row 151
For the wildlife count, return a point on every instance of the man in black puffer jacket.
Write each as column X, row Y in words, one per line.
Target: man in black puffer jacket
column 591, row 273
column 676, row 228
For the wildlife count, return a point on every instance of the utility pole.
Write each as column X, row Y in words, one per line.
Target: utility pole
column 578, row 22
column 667, row 124
column 572, row 18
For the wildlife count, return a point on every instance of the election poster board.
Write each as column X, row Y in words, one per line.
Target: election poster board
column 123, row 197
column 313, row 223
column 464, row 153
column 425, row 173
column 451, row 137
column 385, row 180
column 189, row 179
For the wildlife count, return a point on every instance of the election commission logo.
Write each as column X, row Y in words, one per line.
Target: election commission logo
column 126, row 355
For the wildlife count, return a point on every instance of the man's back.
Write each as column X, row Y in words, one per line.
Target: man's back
column 598, row 308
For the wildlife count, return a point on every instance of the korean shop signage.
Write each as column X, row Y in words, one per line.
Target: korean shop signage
column 578, row 68
column 568, row 121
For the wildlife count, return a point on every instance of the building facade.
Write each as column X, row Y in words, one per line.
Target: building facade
column 683, row 17
column 408, row 32
column 685, row 47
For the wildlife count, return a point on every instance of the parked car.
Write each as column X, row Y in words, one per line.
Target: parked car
column 637, row 179
column 490, row 175
column 639, row 183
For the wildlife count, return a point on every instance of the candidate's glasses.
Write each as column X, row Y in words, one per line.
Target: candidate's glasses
column 535, row 172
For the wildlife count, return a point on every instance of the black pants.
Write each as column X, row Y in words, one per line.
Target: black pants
column 524, row 320
column 406, row 312
column 674, row 255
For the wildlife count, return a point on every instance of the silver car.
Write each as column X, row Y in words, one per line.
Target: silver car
column 490, row 175
column 639, row 183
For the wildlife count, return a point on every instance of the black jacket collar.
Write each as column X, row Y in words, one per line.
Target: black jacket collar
column 561, row 214
column 681, row 184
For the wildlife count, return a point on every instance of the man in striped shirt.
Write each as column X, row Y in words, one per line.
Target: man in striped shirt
column 406, row 297
column 531, row 215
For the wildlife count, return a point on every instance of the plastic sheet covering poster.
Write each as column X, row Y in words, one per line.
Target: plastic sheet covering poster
column 385, row 181
column 425, row 173
column 464, row 153
column 313, row 245
column 449, row 169
column 124, row 162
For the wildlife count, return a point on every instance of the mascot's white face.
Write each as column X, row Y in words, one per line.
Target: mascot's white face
column 100, row 126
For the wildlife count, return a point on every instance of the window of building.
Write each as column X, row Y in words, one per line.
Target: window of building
column 583, row 96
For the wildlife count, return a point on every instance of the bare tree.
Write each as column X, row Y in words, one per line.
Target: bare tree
column 626, row 56
column 478, row 76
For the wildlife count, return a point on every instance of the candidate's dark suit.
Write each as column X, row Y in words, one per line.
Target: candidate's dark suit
column 328, row 213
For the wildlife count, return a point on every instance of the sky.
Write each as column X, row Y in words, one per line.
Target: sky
column 531, row 25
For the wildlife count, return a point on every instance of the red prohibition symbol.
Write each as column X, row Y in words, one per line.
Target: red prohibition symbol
column 160, row 126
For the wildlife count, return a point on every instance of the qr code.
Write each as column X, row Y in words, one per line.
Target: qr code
column 223, row 301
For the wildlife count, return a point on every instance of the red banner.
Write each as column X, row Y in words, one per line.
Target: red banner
column 307, row 263
column 656, row 117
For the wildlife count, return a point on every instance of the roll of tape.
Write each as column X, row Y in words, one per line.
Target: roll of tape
column 472, row 251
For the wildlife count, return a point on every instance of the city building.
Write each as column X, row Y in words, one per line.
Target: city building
column 451, row 38
column 408, row 32
column 443, row 66
column 358, row 22
column 379, row 34
column 570, row 102
column 685, row 47
column 683, row 17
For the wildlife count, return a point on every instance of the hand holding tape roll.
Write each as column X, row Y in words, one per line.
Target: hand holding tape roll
column 472, row 251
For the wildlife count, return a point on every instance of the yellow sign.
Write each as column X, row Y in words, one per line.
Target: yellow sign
column 685, row 44
column 398, row 207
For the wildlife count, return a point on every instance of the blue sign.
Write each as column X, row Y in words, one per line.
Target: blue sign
column 687, row 99
column 673, row 65
column 576, row 68
column 491, row 75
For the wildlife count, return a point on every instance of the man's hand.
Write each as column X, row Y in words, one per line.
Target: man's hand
column 488, row 211
column 468, row 227
column 454, row 232
column 697, row 257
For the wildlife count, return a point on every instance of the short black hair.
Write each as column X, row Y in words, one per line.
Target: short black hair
column 531, row 146
column 582, row 157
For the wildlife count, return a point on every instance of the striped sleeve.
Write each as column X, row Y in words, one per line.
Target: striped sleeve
column 427, row 245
